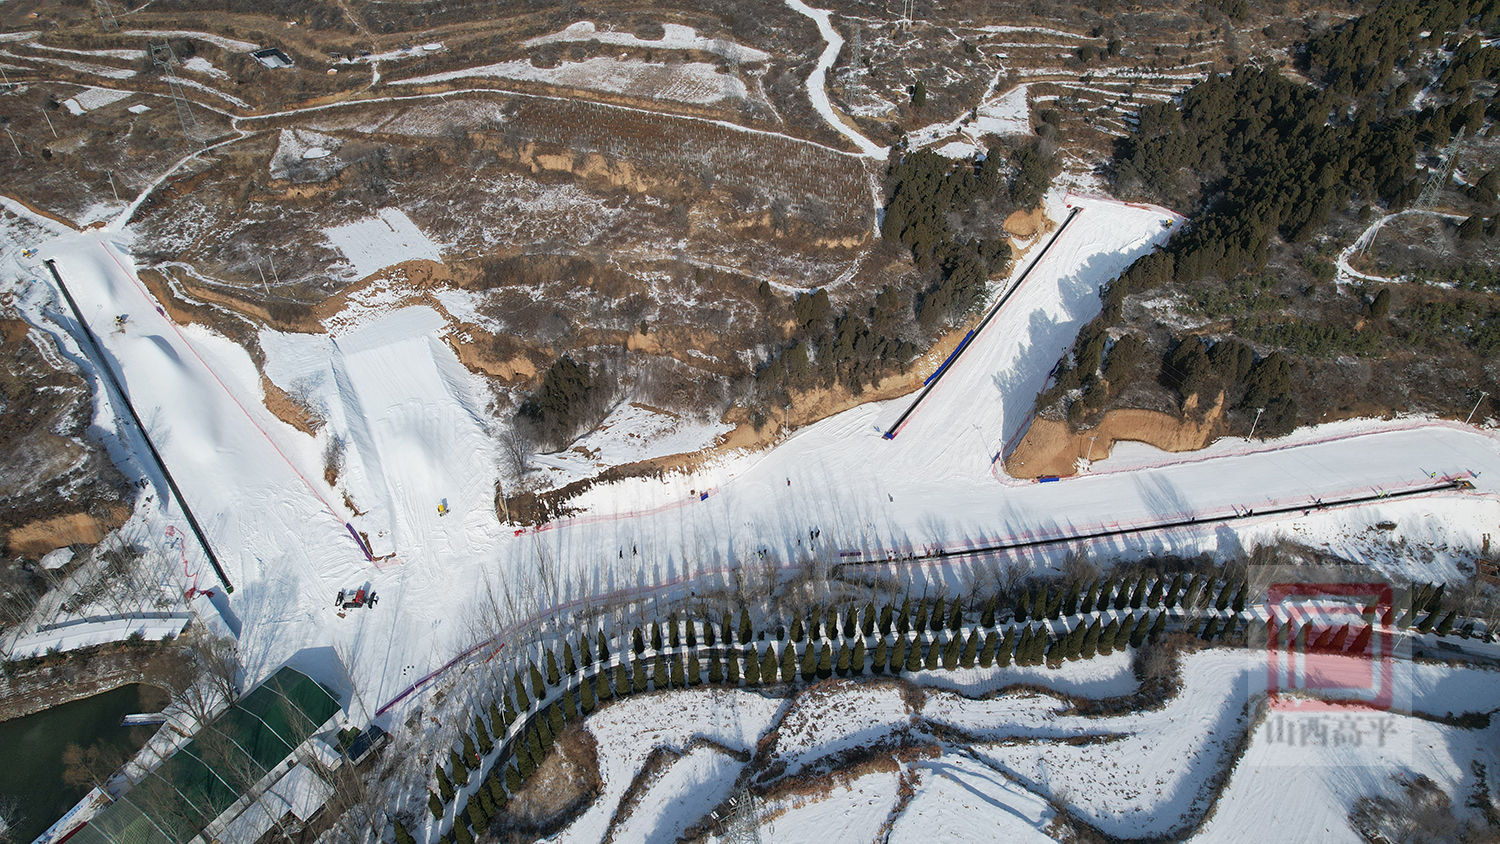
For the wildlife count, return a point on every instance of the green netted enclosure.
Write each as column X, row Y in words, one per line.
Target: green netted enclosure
column 224, row 761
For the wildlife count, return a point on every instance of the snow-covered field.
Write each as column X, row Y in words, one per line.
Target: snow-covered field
column 933, row 765
column 686, row 82
column 675, row 37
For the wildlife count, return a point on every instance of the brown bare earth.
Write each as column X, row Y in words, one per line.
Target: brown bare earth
column 289, row 411
column 1027, row 224
column 1052, row 448
column 43, row 535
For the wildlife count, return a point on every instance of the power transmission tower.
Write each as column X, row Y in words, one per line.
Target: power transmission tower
column 741, row 825
column 1441, row 178
column 106, row 14
column 166, row 59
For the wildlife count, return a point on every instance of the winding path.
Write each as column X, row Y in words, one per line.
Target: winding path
column 816, row 81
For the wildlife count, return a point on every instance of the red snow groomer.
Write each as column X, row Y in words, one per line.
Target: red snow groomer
column 354, row 598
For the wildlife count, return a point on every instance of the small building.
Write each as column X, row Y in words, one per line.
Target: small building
column 272, row 57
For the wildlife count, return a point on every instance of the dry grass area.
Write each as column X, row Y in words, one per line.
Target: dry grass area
column 565, row 783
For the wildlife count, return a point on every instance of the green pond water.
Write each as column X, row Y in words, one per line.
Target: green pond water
column 32, row 750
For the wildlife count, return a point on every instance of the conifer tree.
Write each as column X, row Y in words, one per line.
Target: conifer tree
column 692, row 632
column 731, row 667
column 477, row 818
column 486, row 804
column 708, row 634
column 1233, row 620
column 867, row 620
column 637, row 641
column 970, row 649
column 797, row 631
column 655, row 636
column 1090, row 645
column 1139, row 631
column 552, row 674
column 523, row 703
column 1159, row 626
column 916, row 655
column 988, row 618
column 497, row 719
column 471, row 755
column 955, row 615
column 569, row 665
column 624, row 683
column 461, row 834
column 402, row 836
column 435, row 806
column 825, row 661
column 1075, row 641
column 512, row 779
column 1039, row 601
column 857, row 657
column 586, row 700
column 603, row 651
column 538, row 688
column 639, row 676
column 987, row 653
column 886, row 612
column 460, row 770
column 1428, row 622
column 851, row 621
column 694, row 670
column 674, row 636
column 752, row 666
column 445, row 785
column 482, row 736
column 1191, row 594
column 1239, row 597
column 880, row 658
column 1174, row 591
column 659, row 672
column 1138, row 595
column 951, row 652
column 585, row 654
column 510, row 711
column 898, row 655
column 1089, row 599
column 1221, row 598
column 768, row 665
column 715, row 668
column 1212, row 630
column 726, row 629
column 679, row 679
column 939, row 614
column 1445, row 626
column 1007, row 647
column 841, row 664
column 810, row 661
column 1195, row 626
column 1153, row 598
column 602, row 691
column 1070, row 599
column 1056, row 651
column 534, row 743
column 747, row 632
column 555, row 720
column 788, row 661
column 1122, row 598
column 569, row 704
column 1023, row 608
column 815, row 624
column 919, row 621
column 1107, row 637
column 1105, row 598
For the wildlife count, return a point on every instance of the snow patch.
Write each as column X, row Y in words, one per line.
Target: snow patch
column 388, row 238
column 677, row 37
column 689, row 82
column 90, row 99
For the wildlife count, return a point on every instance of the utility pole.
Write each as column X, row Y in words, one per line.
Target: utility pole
column 1258, row 412
column 49, row 121
column 111, row 175
column 1482, row 394
column 13, row 142
column 164, row 57
column 1090, row 458
column 263, row 286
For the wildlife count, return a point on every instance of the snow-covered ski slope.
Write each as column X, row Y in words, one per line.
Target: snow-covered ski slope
column 416, row 434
